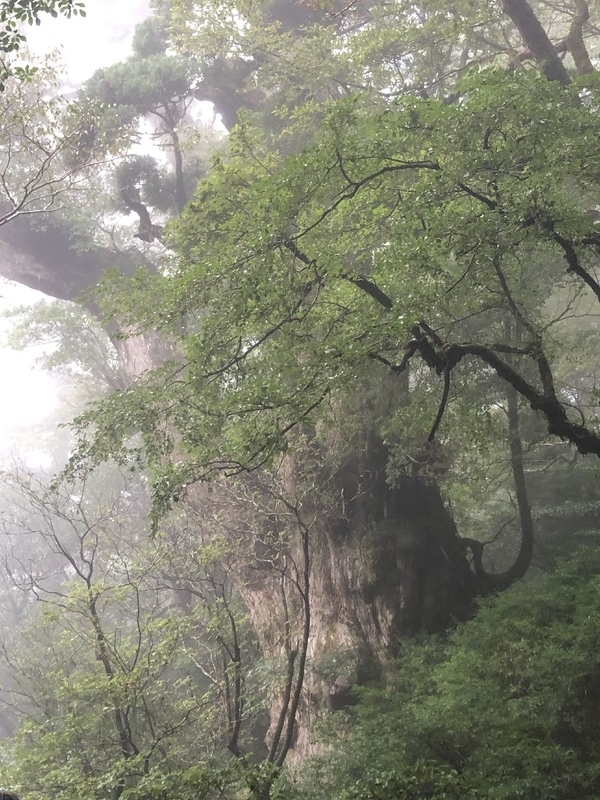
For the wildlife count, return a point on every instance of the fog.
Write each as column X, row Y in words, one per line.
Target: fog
column 300, row 420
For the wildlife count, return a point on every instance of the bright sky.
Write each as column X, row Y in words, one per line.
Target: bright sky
column 101, row 38
column 28, row 393
column 87, row 43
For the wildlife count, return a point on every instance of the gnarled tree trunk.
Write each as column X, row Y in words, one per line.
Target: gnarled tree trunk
column 383, row 563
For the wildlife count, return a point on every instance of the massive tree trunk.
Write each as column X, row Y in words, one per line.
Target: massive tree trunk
column 384, row 564
column 43, row 259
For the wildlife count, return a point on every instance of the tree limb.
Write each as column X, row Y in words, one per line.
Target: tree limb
column 536, row 39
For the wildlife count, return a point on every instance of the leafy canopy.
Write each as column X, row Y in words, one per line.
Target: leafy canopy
column 295, row 274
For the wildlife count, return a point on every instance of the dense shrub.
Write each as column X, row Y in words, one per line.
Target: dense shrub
column 507, row 707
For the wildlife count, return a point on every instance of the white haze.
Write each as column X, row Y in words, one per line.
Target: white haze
column 103, row 37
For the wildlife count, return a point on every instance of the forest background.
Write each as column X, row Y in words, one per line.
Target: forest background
column 324, row 520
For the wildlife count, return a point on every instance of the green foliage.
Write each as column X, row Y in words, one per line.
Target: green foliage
column 142, row 85
column 142, row 178
column 297, row 273
column 119, row 673
column 29, row 10
column 15, row 12
column 198, row 781
column 74, row 344
column 150, row 38
column 305, row 58
column 42, row 167
column 153, row 86
column 505, row 708
column 303, row 263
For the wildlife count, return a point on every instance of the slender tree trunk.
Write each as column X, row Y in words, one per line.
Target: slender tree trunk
column 577, row 47
column 128, row 746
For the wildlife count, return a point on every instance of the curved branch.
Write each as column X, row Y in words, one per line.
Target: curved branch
column 372, row 290
column 366, row 285
column 441, row 357
column 489, row 582
column 147, row 230
column 585, row 440
column 442, row 408
column 573, row 264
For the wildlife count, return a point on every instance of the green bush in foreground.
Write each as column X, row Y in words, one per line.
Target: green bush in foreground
column 508, row 707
